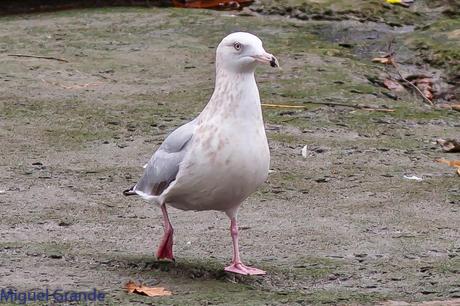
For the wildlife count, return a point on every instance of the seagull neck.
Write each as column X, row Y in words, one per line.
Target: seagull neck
column 235, row 95
column 236, row 89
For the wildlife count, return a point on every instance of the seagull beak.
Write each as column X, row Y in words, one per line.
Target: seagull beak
column 267, row 58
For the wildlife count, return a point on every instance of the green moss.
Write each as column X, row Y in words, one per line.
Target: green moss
column 343, row 297
column 282, row 137
column 316, row 267
column 11, row 245
column 439, row 44
column 449, row 266
column 422, row 115
column 225, row 293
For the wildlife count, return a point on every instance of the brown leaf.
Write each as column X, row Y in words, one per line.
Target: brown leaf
column 386, row 60
column 426, row 86
column 449, row 145
column 393, row 85
column 455, row 107
column 424, row 83
column 452, row 163
column 132, row 287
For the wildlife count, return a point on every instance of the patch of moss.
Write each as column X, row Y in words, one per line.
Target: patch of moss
column 448, row 266
column 282, row 137
column 439, row 44
column 316, row 267
column 343, row 297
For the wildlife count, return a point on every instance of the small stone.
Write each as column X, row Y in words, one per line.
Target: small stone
column 322, row 180
column 64, row 223
column 55, row 256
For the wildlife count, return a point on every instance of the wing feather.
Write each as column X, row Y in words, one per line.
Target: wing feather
column 162, row 168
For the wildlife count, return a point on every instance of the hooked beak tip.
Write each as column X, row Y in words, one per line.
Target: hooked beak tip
column 274, row 62
column 267, row 58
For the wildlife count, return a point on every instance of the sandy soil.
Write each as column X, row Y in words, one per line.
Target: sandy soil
column 341, row 226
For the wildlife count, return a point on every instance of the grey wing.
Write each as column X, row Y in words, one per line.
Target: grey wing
column 162, row 168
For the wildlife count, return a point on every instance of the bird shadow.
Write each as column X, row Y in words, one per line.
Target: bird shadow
column 190, row 268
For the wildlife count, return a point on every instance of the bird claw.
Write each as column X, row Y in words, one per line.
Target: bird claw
column 240, row 268
column 166, row 259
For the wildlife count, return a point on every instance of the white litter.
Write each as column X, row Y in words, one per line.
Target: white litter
column 304, row 151
column 413, row 177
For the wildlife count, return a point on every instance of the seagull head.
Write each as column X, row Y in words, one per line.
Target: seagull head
column 241, row 52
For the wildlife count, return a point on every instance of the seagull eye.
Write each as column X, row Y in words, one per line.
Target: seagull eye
column 237, row 46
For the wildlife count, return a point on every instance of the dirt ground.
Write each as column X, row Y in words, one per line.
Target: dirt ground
column 341, row 226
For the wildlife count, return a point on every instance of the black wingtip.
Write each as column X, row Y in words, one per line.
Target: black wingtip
column 129, row 192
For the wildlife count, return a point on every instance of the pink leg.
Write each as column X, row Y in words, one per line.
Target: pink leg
column 237, row 266
column 165, row 251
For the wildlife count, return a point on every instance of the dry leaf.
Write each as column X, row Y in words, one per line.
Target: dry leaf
column 452, row 163
column 426, row 86
column 424, row 83
column 386, row 60
column 393, row 85
column 449, row 145
column 132, row 287
column 449, row 106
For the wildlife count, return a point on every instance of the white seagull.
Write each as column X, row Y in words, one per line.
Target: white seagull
column 217, row 160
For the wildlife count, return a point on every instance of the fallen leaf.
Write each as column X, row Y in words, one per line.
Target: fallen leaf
column 451, row 163
column 424, row 83
column 393, row 85
column 426, row 86
column 449, row 145
column 132, row 287
column 386, row 60
column 455, row 107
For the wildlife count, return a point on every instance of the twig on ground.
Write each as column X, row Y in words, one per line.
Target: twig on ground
column 390, row 60
column 355, row 106
column 38, row 56
column 411, row 84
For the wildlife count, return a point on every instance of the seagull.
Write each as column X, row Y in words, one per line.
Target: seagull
column 217, row 160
